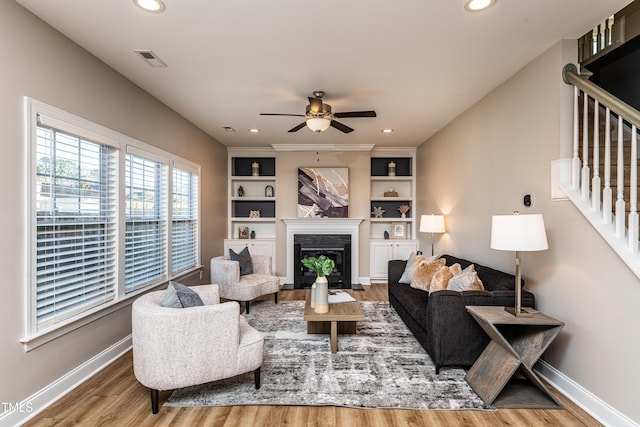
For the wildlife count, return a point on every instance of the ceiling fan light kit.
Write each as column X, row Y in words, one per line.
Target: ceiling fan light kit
column 318, row 124
column 319, row 116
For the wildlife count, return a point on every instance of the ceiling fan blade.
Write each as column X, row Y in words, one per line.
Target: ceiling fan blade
column 355, row 114
column 297, row 128
column 281, row 114
column 316, row 105
column 341, row 127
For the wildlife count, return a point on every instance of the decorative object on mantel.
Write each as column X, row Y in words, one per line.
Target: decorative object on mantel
column 255, row 169
column 403, row 210
column 253, row 234
column 432, row 224
column 240, row 191
column 391, row 193
column 254, row 214
column 518, row 233
column 268, row 191
column 323, row 192
column 323, row 266
column 243, row 232
column 386, row 235
column 377, row 212
column 391, row 168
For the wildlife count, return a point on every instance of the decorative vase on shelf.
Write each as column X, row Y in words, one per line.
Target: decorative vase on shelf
column 322, row 295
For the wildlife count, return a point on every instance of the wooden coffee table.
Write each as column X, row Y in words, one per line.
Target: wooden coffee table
column 341, row 318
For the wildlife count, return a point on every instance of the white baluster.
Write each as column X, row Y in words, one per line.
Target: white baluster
column 606, row 193
column 575, row 161
column 633, row 192
column 584, row 184
column 620, row 204
column 595, row 181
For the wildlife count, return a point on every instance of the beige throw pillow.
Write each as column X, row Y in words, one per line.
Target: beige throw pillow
column 442, row 277
column 424, row 273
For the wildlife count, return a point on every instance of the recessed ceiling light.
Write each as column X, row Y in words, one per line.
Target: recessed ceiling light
column 150, row 5
column 387, row 130
column 477, row 5
column 254, row 130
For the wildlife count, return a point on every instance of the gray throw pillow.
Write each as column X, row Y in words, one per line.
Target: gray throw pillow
column 170, row 298
column 180, row 296
column 244, row 259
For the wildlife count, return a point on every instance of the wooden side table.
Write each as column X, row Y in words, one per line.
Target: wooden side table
column 503, row 374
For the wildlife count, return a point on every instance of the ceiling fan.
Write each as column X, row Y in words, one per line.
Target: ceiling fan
column 320, row 117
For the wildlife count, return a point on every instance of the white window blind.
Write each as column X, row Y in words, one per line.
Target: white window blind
column 75, row 240
column 184, row 228
column 146, row 221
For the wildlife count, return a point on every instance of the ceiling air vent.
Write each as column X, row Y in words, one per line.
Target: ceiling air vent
column 150, row 58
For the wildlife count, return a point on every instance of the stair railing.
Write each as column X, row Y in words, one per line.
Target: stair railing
column 617, row 222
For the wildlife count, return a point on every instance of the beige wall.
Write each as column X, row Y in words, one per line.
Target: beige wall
column 482, row 164
column 38, row 62
column 287, row 163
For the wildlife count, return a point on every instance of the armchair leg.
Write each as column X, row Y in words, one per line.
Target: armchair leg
column 256, row 378
column 246, row 307
column 154, row 400
column 275, row 297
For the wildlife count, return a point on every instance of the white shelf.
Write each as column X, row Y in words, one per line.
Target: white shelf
column 253, row 178
column 391, row 199
column 391, row 178
column 247, row 219
column 253, row 199
column 392, row 219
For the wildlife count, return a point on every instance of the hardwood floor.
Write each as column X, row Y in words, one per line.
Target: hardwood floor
column 113, row 397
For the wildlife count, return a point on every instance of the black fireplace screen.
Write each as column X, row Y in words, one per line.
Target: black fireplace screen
column 335, row 246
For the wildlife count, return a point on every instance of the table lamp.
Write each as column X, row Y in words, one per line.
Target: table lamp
column 518, row 233
column 432, row 224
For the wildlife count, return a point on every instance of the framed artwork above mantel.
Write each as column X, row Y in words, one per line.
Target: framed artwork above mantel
column 323, row 192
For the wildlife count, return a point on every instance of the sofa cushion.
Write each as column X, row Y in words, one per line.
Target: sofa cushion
column 244, row 259
column 424, row 272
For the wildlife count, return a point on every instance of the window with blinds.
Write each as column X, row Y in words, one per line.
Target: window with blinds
column 75, row 238
column 109, row 216
column 146, row 221
column 184, row 226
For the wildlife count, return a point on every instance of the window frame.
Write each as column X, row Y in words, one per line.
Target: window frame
column 35, row 111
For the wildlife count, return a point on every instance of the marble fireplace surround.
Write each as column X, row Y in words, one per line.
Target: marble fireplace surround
column 349, row 226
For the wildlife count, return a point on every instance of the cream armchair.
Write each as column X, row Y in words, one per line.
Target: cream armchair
column 226, row 274
column 181, row 347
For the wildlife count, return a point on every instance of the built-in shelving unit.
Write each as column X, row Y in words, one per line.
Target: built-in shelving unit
column 382, row 189
column 252, row 200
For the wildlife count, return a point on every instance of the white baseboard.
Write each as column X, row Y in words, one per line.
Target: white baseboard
column 43, row 398
column 582, row 397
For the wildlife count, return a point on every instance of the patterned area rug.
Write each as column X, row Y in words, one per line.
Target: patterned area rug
column 382, row 366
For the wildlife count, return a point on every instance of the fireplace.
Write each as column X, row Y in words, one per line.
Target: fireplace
column 335, row 246
column 318, row 227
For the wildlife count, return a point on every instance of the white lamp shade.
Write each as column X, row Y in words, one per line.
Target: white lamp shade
column 432, row 223
column 318, row 124
column 518, row 233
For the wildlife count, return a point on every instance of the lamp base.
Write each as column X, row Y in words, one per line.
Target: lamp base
column 523, row 312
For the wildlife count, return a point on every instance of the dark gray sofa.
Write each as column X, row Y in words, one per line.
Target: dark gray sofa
column 440, row 321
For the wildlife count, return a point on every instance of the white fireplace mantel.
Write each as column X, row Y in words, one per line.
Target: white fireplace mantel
column 349, row 226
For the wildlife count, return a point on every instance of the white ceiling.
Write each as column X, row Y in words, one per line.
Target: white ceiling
column 417, row 63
